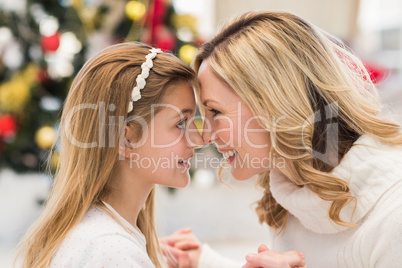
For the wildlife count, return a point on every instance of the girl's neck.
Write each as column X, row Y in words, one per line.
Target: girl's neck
column 128, row 193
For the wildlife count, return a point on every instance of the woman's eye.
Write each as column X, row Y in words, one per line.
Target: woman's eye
column 182, row 123
column 214, row 112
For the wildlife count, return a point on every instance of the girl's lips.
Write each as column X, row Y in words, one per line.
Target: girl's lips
column 185, row 164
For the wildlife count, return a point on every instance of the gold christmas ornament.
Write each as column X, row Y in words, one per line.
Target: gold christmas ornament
column 45, row 137
column 187, row 53
column 135, row 10
column 185, row 20
column 14, row 95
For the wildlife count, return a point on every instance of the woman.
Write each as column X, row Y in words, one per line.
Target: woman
column 127, row 126
column 275, row 87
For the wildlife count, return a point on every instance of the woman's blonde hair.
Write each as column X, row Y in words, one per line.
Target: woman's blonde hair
column 307, row 85
column 90, row 153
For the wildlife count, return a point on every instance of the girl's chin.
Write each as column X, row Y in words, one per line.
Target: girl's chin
column 182, row 182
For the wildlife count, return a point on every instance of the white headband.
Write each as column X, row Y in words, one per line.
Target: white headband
column 145, row 67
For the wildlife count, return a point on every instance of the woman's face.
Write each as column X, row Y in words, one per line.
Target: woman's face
column 232, row 126
column 169, row 141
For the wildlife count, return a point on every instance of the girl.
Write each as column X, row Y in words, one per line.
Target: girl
column 126, row 126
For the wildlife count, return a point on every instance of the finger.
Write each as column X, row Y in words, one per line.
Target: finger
column 174, row 256
column 167, row 241
column 294, row 259
column 184, row 261
column 186, row 245
column 246, row 266
column 266, row 261
column 184, row 231
column 170, row 256
column 163, row 240
column 293, row 252
column 173, row 239
column 169, row 251
column 262, row 248
column 249, row 265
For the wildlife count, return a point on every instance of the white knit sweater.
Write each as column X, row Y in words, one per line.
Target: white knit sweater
column 374, row 173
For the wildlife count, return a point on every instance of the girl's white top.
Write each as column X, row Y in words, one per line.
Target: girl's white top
column 100, row 241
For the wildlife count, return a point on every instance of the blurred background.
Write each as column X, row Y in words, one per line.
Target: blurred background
column 44, row 43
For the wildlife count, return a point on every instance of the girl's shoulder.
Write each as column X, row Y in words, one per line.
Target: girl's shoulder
column 98, row 224
column 116, row 250
column 98, row 240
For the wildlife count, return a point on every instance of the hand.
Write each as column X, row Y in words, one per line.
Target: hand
column 174, row 257
column 267, row 258
column 181, row 249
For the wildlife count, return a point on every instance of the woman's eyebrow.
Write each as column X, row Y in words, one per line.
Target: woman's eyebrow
column 205, row 102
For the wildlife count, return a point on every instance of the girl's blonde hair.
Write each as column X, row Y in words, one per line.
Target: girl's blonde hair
column 89, row 153
column 305, row 84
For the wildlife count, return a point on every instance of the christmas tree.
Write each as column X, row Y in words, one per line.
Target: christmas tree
column 44, row 44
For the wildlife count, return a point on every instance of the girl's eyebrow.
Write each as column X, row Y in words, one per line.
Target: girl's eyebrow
column 184, row 111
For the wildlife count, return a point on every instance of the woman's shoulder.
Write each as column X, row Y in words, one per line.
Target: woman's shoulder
column 386, row 214
column 381, row 235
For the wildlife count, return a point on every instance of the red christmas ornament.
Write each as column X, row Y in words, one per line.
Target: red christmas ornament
column 377, row 73
column 155, row 18
column 159, row 12
column 8, row 126
column 165, row 39
column 43, row 76
column 50, row 43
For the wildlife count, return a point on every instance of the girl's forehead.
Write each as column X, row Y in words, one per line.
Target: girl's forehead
column 178, row 101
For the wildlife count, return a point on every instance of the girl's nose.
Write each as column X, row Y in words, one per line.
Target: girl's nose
column 195, row 139
column 206, row 131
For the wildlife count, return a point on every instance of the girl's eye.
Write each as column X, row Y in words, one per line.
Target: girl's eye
column 214, row 112
column 182, row 123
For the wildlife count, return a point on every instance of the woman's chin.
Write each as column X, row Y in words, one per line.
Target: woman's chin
column 240, row 175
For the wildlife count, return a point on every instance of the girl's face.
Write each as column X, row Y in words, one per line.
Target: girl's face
column 169, row 140
column 232, row 126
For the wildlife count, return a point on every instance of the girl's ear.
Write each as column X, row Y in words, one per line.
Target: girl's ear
column 125, row 147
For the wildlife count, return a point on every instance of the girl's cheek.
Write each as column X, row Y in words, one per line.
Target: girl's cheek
column 181, row 141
